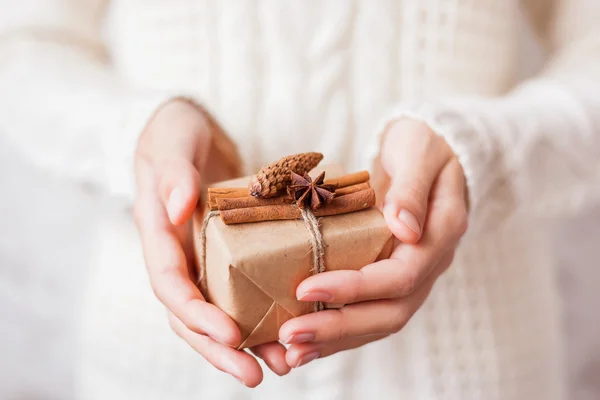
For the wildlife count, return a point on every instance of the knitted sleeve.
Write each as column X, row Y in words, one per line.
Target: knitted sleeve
column 60, row 101
column 536, row 149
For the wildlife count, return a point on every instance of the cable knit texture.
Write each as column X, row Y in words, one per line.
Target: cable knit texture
column 80, row 79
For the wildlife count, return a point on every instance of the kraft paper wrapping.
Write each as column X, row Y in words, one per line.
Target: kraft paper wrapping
column 253, row 269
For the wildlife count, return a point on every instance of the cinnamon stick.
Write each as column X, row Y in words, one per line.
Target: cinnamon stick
column 225, row 203
column 235, row 193
column 349, row 180
column 250, row 201
column 352, row 189
column 229, row 193
column 341, row 205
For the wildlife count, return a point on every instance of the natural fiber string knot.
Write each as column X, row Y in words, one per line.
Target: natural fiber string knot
column 316, row 242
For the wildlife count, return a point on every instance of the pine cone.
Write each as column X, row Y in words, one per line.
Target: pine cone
column 274, row 178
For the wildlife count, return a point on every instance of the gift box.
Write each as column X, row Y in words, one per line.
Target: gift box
column 251, row 270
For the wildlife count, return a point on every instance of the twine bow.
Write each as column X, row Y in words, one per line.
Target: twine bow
column 316, row 241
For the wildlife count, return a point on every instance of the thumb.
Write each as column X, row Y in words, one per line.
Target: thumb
column 412, row 158
column 405, row 207
column 179, row 187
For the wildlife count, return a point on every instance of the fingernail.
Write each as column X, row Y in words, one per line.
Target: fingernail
column 176, row 202
column 301, row 338
column 410, row 221
column 316, row 296
column 307, row 358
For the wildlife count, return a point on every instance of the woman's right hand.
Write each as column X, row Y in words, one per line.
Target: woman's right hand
column 173, row 152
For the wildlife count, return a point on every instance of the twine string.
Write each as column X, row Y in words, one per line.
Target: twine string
column 316, row 242
column 318, row 245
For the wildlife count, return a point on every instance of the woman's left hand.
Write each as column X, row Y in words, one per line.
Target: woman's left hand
column 426, row 209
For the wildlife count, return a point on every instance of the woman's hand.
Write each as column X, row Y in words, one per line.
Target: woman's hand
column 173, row 154
column 426, row 209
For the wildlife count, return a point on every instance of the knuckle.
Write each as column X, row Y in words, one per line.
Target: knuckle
column 414, row 194
column 398, row 322
column 451, row 219
column 340, row 333
column 411, row 281
column 463, row 224
column 397, row 325
column 355, row 287
column 460, row 225
column 407, row 282
column 455, row 222
column 447, row 263
column 409, row 187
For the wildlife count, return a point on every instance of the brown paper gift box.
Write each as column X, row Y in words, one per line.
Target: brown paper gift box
column 252, row 270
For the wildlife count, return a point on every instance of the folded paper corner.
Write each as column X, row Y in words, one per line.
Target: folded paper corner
column 267, row 330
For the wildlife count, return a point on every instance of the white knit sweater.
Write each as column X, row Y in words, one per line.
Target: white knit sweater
column 79, row 79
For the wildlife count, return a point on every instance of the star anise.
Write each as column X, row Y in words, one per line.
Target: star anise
column 309, row 192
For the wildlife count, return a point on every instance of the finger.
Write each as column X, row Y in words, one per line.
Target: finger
column 238, row 363
column 378, row 317
column 170, row 280
column 168, row 271
column 301, row 354
column 409, row 264
column 273, row 354
column 179, row 187
column 396, row 277
column 412, row 174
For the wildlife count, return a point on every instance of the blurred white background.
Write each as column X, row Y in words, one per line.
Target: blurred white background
column 44, row 239
column 45, row 232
